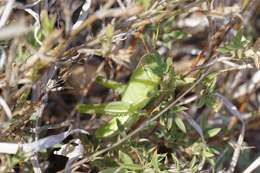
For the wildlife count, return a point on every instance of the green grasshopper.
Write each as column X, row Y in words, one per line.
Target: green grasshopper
column 136, row 94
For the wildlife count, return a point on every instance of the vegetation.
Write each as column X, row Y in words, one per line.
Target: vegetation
column 153, row 86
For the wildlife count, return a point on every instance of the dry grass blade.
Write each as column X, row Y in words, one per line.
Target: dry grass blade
column 2, row 58
column 195, row 125
column 6, row 108
column 43, row 143
column 107, row 13
column 74, row 155
column 37, row 24
column 253, row 166
column 13, row 30
column 233, row 110
column 83, row 14
column 35, row 163
column 249, row 86
column 7, row 11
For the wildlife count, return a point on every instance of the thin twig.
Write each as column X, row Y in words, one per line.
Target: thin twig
column 83, row 14
column 232, row 109
column 253, row 166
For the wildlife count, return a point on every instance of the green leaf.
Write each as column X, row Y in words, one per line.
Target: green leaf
column 238, row 39
column 180, row 81
column 213, row 132
column 22, row 54
column 169, row 123
column 176, row 161
column 178, row 109
column 120, row 126
column 180, row 124
column 208, row 154
column 178, row 34
column 209, row 100
column 155, row 162
column 34, row 116
column 109, row 31
column 193, row 162
column 238, row 43
column 30, row 37
column 224, row 50
column 114, row 170
column 212, row 163
column 125, row 158
column 145, row 3
column 47, row 23
column 210, row 81
column 214, row 150
column 133, row 167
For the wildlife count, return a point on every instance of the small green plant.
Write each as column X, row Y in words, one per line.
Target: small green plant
column 236, row 46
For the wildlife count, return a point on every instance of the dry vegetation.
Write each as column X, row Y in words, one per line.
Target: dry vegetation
column 204, row 117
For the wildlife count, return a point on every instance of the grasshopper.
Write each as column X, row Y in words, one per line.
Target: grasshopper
column 136, row 94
